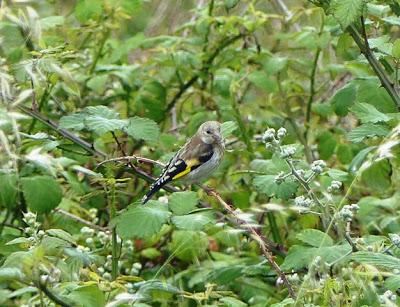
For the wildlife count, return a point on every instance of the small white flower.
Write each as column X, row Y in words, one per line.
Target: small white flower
column 269, row 135
column 281, row 133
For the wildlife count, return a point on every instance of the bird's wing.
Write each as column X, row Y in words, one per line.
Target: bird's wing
column 191, row 156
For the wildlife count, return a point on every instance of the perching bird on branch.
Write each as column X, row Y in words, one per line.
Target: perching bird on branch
column 195, row 161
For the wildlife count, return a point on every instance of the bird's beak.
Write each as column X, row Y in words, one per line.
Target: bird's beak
column 218, row 138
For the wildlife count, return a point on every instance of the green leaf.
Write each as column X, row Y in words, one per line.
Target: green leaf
column 261, row 80
column 150, row 253
column 315, row 238
column 392, row 282
column 285, row 302
column 326, row 145
column 360, row 158
column 229, row 301
column 188, row 245
column 51, row 22
column 344, row 153
column 8, row 190
column 343, row 99
column 337, row 174
column 396, row 49
column 358, row 134
column 42, row 193
column 378, row 176
column 195, row 221
column 98, row 83
column 370, row 91
column 143, row 129
column 61, row 234
column 222, row 81
column 227, row 128
column 102, row 120
column 142, row 221
column 367, row 113
column 88, row 9
column 225, row 275
column 74, row 121
column 87, row 296
column 152, row 100
column 302, row 256
column 11, row 274
column 376, row 259
column 181, row 203
column 347, row 11
column 266, row 184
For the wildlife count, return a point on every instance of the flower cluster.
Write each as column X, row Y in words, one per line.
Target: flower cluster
column 335, row 186
column 318, row 166
column 302, row 201
column 387, row 296
column 395, row 238
column 348, row 211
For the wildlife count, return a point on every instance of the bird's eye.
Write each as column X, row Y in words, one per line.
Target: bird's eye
column 208, row 131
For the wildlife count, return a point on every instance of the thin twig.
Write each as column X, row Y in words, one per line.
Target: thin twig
column 304, row 183
column 348, row 237
column 79, row 219
column 203, row 70
column 65, row 133
column 258, row 238
column 135, row 158
column 363, row 45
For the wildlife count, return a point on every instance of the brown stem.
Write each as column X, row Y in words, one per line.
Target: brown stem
column 258, row 238
column 79, row 219
column 363, row 44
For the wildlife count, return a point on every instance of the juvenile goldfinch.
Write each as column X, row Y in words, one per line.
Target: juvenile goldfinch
column 195, row 161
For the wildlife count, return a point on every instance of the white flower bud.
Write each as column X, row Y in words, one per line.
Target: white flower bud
column 281, row 133
column 318, row 166
column 269, row 135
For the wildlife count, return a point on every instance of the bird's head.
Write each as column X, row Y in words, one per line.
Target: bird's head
column 210, row 132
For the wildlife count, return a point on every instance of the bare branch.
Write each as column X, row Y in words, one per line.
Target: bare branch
column 257, row 237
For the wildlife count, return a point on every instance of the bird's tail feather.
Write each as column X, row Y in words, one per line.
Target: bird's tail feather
column 154, row 188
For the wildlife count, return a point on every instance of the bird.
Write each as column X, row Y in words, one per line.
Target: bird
column 195, row 161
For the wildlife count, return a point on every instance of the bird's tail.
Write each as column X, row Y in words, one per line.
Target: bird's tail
column 154, row 188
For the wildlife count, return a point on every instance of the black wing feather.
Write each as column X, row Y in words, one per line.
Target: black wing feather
column 172, row 170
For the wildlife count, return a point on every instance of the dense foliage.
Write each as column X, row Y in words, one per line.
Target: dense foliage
column 308, row 94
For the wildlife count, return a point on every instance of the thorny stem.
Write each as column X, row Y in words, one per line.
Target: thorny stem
column 362, row 43
column 290, row 118
column 257, row 237
column 129, row 158
column 114, row 243
column 65, row 133
column 206, row 66
column 79, row 219
column 312, row 89
column 303, row 182
column 52, row 296
column 242, row 127
column 348, row 237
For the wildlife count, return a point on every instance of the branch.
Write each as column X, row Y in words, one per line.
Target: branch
column 86, row 145
column 129, row 158
column 303, row 182
column 65, row 133
column 203, row 70
column 257, row 237
column 348, row 237
column 79, row 219
column 55, row 298
column 312, row 91
column 362, row 43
